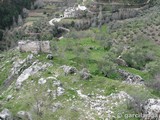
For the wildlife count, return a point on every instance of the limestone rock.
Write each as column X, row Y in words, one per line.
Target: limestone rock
column 42, row 81
column 56, row 106
column 49, row 57
column 60, row 91
column 57, row 83
column 121, row 62
column 151, row 109
column 18, row 67
column 85, row 74
column 33, row 69
column 134, row 79
column 24, row 115
column 6, row 115
column 9, row 97
column 103, row 105
column 131, row 78
column 68, row 69
column 29, row 58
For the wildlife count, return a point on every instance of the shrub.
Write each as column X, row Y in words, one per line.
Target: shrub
column 154, row 84
column 79, row 34
column 141, row 54
column 153, row 67
column 108, row 67
column 82, row 56
column 136, row 104
column 44, row 12
column 106, row 44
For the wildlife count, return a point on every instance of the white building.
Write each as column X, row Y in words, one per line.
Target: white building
column 69, row 12
column 72, row 11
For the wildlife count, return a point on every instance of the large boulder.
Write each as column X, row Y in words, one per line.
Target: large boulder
column 6, row 115
column 151, row 110
column 131, row 78
column 68, row 69
column 49, row 57
column 34, row 46
column 85, row 74
column 134, row 79
column 121, row 62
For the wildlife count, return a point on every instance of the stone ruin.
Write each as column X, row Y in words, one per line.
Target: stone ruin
column 34, row 46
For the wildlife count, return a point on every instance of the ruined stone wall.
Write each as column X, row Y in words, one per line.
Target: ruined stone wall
column 34, row 46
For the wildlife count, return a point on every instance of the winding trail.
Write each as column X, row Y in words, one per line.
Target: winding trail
column 55, row 20
column 52, row 21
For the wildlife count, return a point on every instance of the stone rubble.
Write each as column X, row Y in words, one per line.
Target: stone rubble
column 103, row 105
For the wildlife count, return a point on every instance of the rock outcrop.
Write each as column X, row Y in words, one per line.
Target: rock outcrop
column 33, row 69
column 42, row 81
column 103, row 105
column 6, row 115
column 34, row 46
column 18, row 67
column 151, row 109
column 131, row 78
column 56, row 106
column 49, row 56
column 121, row 62
column 68, row 69
column 24, row 115
column 85, row 74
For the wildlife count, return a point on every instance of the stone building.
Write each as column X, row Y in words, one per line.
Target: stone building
column 74, row 11
column 34, row 46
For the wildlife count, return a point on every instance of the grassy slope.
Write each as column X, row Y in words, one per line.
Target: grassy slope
column 24, row 99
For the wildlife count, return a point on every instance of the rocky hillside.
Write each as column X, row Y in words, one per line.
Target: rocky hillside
column 82, row 62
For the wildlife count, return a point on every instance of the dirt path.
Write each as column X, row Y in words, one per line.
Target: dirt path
column 51, row 22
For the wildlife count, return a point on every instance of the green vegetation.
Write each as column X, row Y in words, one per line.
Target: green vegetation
column 13, row 9
column 134, row 41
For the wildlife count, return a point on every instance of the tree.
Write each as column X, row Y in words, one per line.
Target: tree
column 14, row 22
column 100, row 17
column 20, row 20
